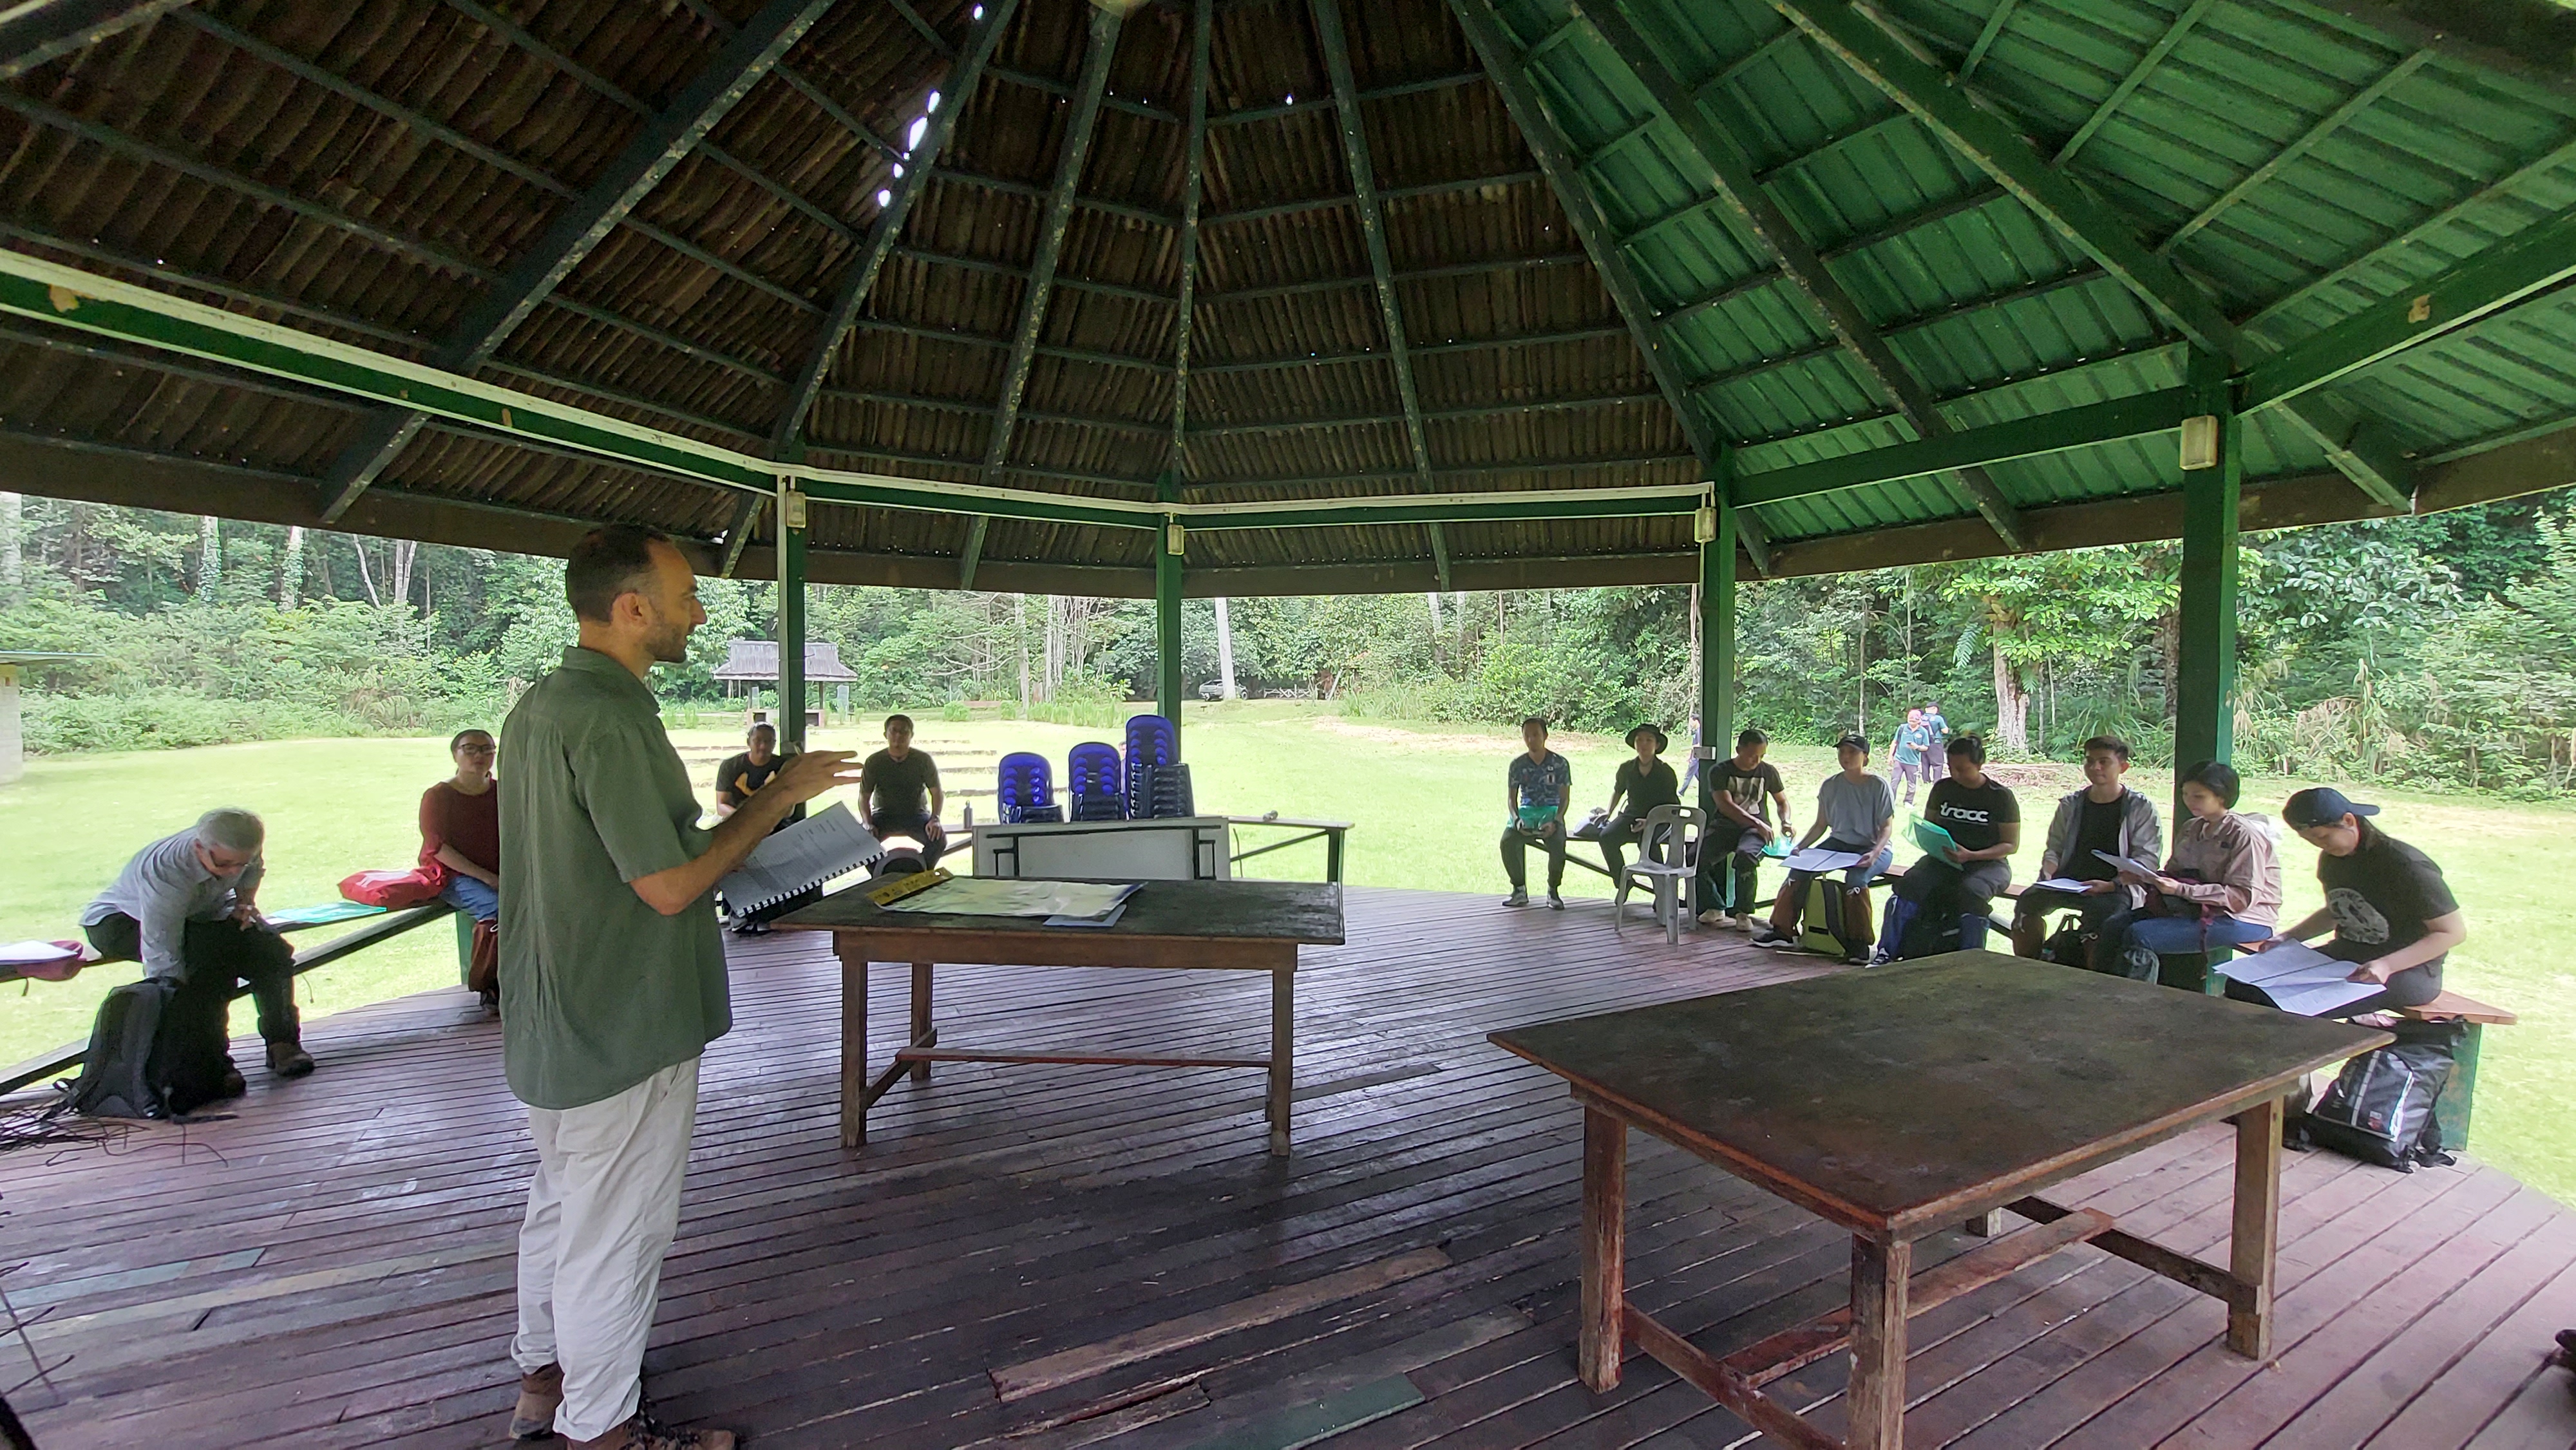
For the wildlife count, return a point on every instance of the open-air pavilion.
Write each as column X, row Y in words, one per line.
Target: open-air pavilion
column 1234, row 297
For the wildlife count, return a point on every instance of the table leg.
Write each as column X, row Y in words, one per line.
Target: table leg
column 854, row 1045
column 1987, row 1224
column 2257, row 1229
column 1333, row 859
column 1283, row 1054
column 920, row 1016
column 1877, row 1392
column 1605, row 1249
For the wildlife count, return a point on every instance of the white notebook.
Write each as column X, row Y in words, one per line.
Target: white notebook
column 808, row 853
column 2299, row 979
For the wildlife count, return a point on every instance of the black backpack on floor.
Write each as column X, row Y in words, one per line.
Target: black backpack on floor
column 117, row 1078
column 2380, row 1109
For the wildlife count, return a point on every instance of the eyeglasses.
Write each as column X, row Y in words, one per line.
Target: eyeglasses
column 472, row 749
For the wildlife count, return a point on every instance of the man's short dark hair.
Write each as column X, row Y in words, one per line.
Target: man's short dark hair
column 606, row 563
column 903, row 720
column 1854, row 741
column 1538, row 720
column 756, row 727
column 1969, row 746
column 1751, row 736
column 2112, row 743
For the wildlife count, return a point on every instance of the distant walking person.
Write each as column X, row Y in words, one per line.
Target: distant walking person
column 1913, row 744
column 1936, row 761
column 899, row 791
column 187, row 907
column 1536, row 787
column 615, row 977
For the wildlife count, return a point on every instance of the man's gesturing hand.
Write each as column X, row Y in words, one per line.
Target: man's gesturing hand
column 809, row 773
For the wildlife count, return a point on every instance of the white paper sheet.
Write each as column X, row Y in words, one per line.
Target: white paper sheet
column 1820, row 860
column 2059, row 883
column 808, row 853
column 2299, row 979
column 2123, row 863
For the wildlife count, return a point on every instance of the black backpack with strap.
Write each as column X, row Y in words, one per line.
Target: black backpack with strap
column 117, row 1078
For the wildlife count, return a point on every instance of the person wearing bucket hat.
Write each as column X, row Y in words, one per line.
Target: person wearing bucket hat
column 2392, row 914
column 1644, row 783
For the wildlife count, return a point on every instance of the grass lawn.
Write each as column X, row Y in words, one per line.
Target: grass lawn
column 1426, row 802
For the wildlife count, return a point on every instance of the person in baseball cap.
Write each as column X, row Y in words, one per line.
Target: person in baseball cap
column 1644, row 783
column 2392, row 914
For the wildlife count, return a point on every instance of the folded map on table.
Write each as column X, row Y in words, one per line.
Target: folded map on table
column 1006, row 896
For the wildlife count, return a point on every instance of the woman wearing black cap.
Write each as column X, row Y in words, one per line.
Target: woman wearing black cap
column 2393, row 915
column 1645, row 783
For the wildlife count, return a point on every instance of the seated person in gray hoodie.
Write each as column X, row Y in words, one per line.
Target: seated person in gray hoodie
column 2104, row 816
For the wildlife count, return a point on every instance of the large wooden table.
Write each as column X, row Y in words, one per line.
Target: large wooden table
column 1223, row 926
column 1904, row 1100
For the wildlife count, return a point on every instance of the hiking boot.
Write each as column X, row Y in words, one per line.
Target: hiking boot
column 289, row 1059
column 231, row 1084
column 643, row 1432
column 1767, row 935
column 540, row 1395
column 1517, row 898
column 1555, row 902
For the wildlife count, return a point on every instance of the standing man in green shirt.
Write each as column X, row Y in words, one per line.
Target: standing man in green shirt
column 615, row 976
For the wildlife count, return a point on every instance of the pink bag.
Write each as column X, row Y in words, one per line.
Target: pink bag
column 391, row 888
column 26, row 959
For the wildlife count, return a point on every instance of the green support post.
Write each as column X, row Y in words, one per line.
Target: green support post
column 2205, row 695
column 1716, row 625
column 791, row 618
column 1167, row 609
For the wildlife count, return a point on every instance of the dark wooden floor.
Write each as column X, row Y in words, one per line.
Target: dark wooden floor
column 333, row 1266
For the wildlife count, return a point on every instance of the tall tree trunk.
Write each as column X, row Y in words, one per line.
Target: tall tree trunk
column 1051, row 668
column 13, row 558
column 2012, row 703
column 406, row 555
column 366, row 576
column 210, row 556
column 290, row 573
column 1020, row 631
column 1225, row 646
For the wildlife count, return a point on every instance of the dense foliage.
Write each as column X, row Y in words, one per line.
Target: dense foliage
column 2436, row 650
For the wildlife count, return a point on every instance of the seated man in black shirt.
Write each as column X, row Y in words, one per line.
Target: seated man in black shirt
column 1645, row 783
column 736, row 781
column 1984, row 822
column 899, row 792
column 1746, row 789
column 2393, row 915
column 2105, row 816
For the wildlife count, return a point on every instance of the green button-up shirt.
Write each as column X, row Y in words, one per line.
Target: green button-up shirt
column 602, row 991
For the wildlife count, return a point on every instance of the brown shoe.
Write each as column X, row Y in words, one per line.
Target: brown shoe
column 288, row 1059
column 540, row 1395
column 643, row 1432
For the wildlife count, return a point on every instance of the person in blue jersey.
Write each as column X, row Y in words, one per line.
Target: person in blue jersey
column 1535, row 789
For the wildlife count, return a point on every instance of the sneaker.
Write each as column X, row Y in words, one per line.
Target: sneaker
column 1858, row 959
column 1878, row 958
column 643, row 1432
column 289, row 1060
column 540, row 1395
column 1555, row 902
column 1767, row 935
column 1517, row 898
column 1714, row 917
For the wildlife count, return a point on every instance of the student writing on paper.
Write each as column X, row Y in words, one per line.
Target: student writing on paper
column 1984, row 822
column 1536, row 787
column 2106, row 815
column 2393, row 915
column 1855, row 812
column 2220, row 887
column 1745, row 789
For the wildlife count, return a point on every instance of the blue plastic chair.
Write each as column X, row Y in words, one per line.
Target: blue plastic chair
column 1094, row 782
column 1026, row 790
column 1151, row 741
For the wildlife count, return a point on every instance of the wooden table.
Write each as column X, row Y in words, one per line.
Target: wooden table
column 1904, row 1100
column 1224, row 926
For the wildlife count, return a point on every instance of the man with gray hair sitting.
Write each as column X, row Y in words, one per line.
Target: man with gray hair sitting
column 187, row 907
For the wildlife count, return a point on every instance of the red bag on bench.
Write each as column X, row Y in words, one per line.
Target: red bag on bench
column 392, row 888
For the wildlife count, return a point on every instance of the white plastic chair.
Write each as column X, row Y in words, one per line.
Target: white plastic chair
column 1672, row 833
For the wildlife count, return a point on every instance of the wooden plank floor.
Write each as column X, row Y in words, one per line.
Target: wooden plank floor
column 332, row 1267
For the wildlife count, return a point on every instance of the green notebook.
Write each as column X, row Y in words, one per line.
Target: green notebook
column 1936, row 841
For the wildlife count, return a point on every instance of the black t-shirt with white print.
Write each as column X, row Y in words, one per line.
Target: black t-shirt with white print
column 1974, row 818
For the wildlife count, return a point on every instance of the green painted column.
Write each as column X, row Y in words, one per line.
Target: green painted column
column 791, row 618
column 1167, row 608
column 1716, row 626
column 2205, row 695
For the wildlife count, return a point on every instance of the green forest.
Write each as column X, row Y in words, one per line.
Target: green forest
column 2438, row 652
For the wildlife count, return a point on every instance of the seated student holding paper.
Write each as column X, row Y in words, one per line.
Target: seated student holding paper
column 1855, row 814
column 1746, row 789
column 1536, row 787
column 2220, row 887
column 2104, row 818
column 1644, row 783
column 2393, row 915
column 1961, row 876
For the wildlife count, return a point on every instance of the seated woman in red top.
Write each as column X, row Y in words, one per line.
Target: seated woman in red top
column 460, row 828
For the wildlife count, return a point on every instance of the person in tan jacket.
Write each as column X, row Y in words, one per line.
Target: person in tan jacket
column 2221, row 886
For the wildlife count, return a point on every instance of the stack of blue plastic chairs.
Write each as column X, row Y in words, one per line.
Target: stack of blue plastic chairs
column 1151, row 743
column 1026, row 791
column 1093, row 782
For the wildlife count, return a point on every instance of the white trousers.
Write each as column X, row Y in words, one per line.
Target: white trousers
column 602, row 1208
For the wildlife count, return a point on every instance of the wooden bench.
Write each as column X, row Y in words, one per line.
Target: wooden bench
column 2452, row 1109
column 370, row 930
